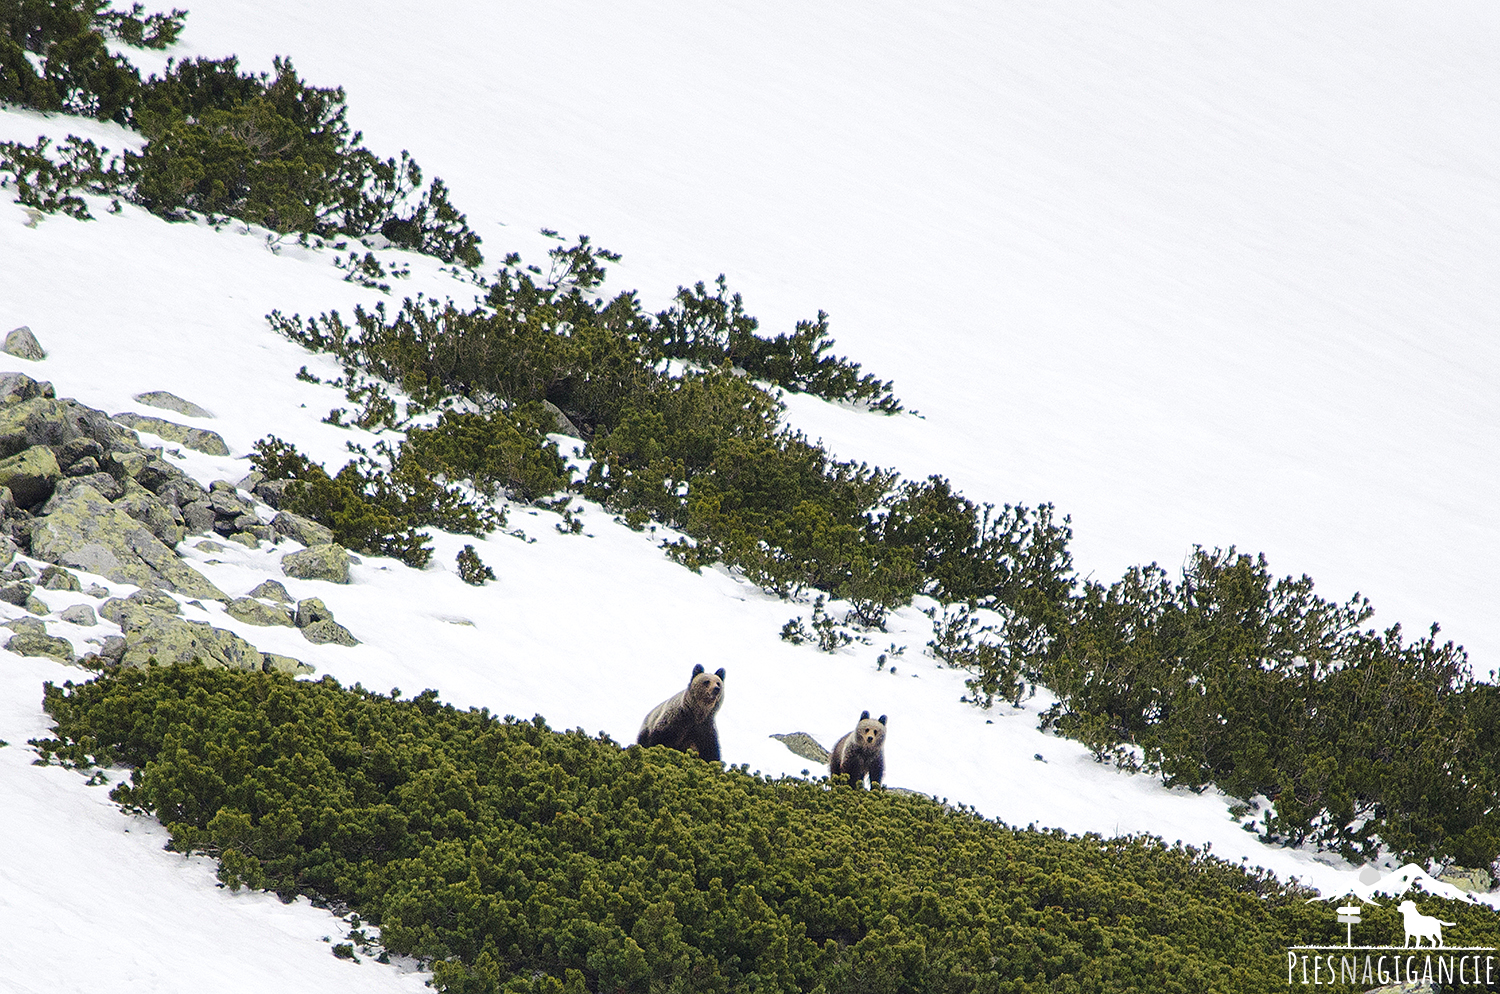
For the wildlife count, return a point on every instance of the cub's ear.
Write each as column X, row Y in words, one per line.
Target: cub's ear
column 882, row 719
column 719, row 672
column 863, row 715
column 697, row 669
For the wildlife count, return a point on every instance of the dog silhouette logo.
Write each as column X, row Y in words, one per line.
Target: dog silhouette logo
column 1420, row 926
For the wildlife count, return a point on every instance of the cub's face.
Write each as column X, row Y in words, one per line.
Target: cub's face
column 869, row 733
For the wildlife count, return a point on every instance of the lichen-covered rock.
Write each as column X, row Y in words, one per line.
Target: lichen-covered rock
column 273, row 492
column 329, row 632
column 247, row 539
column 198, row 516
column 152, row 637
column 253, row 612
column 226, row 501
column 300, row 529
column 171, row 402
column 275, row 663
column 87, row 532
column 57, row 578
column 142, row 505
column 311, row 611
column 31, row 639
column 272, row 590
column 114, row 608
column 97, row 591
column 54, row 423
column 321, row 562
column 80, row 614
column 804, row 745
column 16, row 592
column 80, row 448
column 112, row 649
column 108, row 487
column 36, row 605
column 31, row 475
column 1475, row 881
column 158, row 473
column 87, row 466
column 22, row 344
column 197, row 439
column 16, row 387
column 181, row 492
column 209, row 546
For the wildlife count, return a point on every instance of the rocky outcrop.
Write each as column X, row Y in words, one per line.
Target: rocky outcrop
column 159, row 637
column 30, row 475
column 87, row 532
column 31, row 639
column 803, row 745
column 272, row 590
column 57, row 578
column 254, row 612
column 22, row 344
column 318, row 626
column 81, row 615
column 171, row 402
column 16, row 387
column 198, row 439
column 285, row 664
column 321, row 562
column 300, row 529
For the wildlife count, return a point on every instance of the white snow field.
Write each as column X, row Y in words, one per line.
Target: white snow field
column 1193, row 272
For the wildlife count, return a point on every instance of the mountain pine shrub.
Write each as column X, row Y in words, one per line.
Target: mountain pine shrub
column 471, row 569
column 513, row 857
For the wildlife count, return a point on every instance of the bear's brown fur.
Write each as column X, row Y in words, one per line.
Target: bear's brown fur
column 686, row 719
column 861, row 752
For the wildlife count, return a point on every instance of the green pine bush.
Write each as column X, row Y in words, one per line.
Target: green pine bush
column 513, row 857
column 471, row 569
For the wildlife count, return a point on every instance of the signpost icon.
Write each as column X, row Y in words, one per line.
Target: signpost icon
column 1349, row 915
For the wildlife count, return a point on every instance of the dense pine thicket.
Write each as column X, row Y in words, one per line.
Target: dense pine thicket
column 267, row 149
column 1225, row 675
column 519, row 858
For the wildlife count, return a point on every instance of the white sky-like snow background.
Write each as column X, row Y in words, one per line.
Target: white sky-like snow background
column 1193, row 272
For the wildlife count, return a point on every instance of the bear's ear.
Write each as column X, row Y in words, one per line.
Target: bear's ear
column 719, row 672
column 697, row 669
column 882, row 719
column 863, row 715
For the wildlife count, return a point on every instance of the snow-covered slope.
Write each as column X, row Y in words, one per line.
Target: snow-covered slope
column 1194, row 274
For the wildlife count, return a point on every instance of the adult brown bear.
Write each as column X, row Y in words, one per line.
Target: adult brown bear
column 686, row 719
column 861, row 751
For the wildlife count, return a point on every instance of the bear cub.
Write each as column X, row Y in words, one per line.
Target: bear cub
column 686, row 719
column 861, row 751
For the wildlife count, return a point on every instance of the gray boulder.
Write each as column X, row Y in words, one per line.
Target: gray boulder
column 152, row 637
column 107, row 486
column 16, row 592
column 112, row 649
column 272, row 590
column 80, row 614
column 275, row 663
column 181, row 492
column 31, row 639
column 16, row 387
column 171, row 402
column 329, row 632
column 54, row 423
column 87, row 532
column 31, row 475
column 804, row 745
column 311, row 611
column 253, row 612
column 273, row 492
column 198, row 516
column 197, row 439
column 304, row 530
column 70, row 454
column 321, row 562
column 142, row 505
column 114, row 608
column 22, row 344
column 57, row 578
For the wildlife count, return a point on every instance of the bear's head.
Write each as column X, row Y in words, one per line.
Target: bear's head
column 705, row 691
column 869, row 734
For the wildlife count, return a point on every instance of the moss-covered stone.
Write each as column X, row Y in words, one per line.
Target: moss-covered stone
column 144, row 506
column 113, row 609
column 329, row 632
column 321, row 562
column 87, row 532
column 254, row 612
column 57, row 578
column 31, row 474
column 154, row 638
column 276, row 663
column 272, row 590
column 804, row 745
column 198, row 439
column 312, row 610
column 300, row 529
column 171, row 402
column 31, row 639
